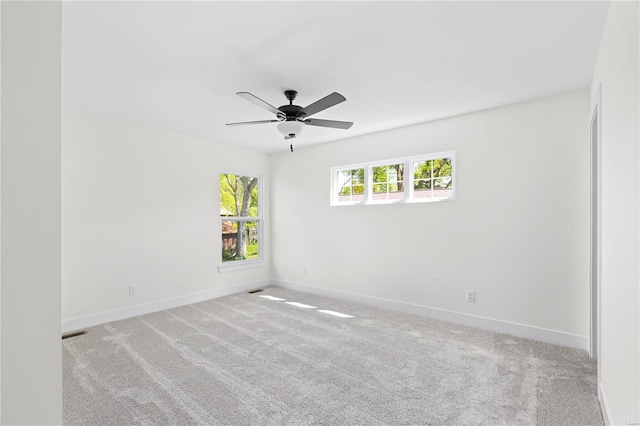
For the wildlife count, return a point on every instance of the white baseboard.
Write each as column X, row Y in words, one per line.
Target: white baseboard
column 147, row 308
column 604, row 406
column 505, row 327
column 520, row 330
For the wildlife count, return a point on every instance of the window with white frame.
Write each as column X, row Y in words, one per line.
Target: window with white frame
column 240, row 217
column 388, row 182
column 422, row 178
column 350, row 185
column 433, row 178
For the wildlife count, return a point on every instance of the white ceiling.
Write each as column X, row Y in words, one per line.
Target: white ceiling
column 178, row 65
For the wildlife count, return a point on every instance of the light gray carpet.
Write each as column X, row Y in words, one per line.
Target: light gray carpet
column 247, row 360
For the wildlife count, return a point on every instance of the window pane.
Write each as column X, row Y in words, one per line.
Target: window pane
column 445, row 182
column 422, row 185
column 238, row 195
column 422, row 169
column 240, row 240
column 442, row 167
column 380, row 187
column 392, row 174
column 357, row 176
column 379, row 174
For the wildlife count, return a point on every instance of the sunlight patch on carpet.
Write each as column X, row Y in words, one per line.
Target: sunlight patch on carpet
column 273, row 298
column 300, row 305
column 337, row 314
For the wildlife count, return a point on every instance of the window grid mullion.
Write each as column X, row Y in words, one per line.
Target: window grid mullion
column 408, row 183
column 369, row 183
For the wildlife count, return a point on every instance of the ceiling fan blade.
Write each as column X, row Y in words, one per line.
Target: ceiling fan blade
column 328, row 123
column 243, row 123
column 256, row 100
column 328, row 101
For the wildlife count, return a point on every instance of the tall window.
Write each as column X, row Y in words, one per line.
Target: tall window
column 240, row 216
column 429, row 177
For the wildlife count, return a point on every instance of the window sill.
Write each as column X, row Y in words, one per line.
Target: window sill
column 348, row 203
column 240, row 265
column 430, row 200
column 402, row 201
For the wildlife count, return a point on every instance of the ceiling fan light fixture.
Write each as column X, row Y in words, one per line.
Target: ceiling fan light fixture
column 290, row 128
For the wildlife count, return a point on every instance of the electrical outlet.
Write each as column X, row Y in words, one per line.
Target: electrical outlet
column 304, row 272
column 133, row 289
column 471, row 296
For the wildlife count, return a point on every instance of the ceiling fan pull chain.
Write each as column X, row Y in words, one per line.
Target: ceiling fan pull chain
column 291, row 147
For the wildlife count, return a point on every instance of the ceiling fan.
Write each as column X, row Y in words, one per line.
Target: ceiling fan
column 293, row 118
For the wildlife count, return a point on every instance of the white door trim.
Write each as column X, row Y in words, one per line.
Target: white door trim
column 595, row 146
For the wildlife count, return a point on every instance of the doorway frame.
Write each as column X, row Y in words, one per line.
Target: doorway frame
column 595, row 219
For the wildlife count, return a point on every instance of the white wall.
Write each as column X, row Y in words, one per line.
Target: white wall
column 617, row 70
column 517, row 233
column 31, row 94
column 141, row 206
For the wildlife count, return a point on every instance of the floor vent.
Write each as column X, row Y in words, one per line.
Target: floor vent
column 74, row 334
column 255, row 291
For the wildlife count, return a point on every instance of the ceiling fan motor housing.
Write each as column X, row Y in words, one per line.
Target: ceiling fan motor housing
column 293, row 112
